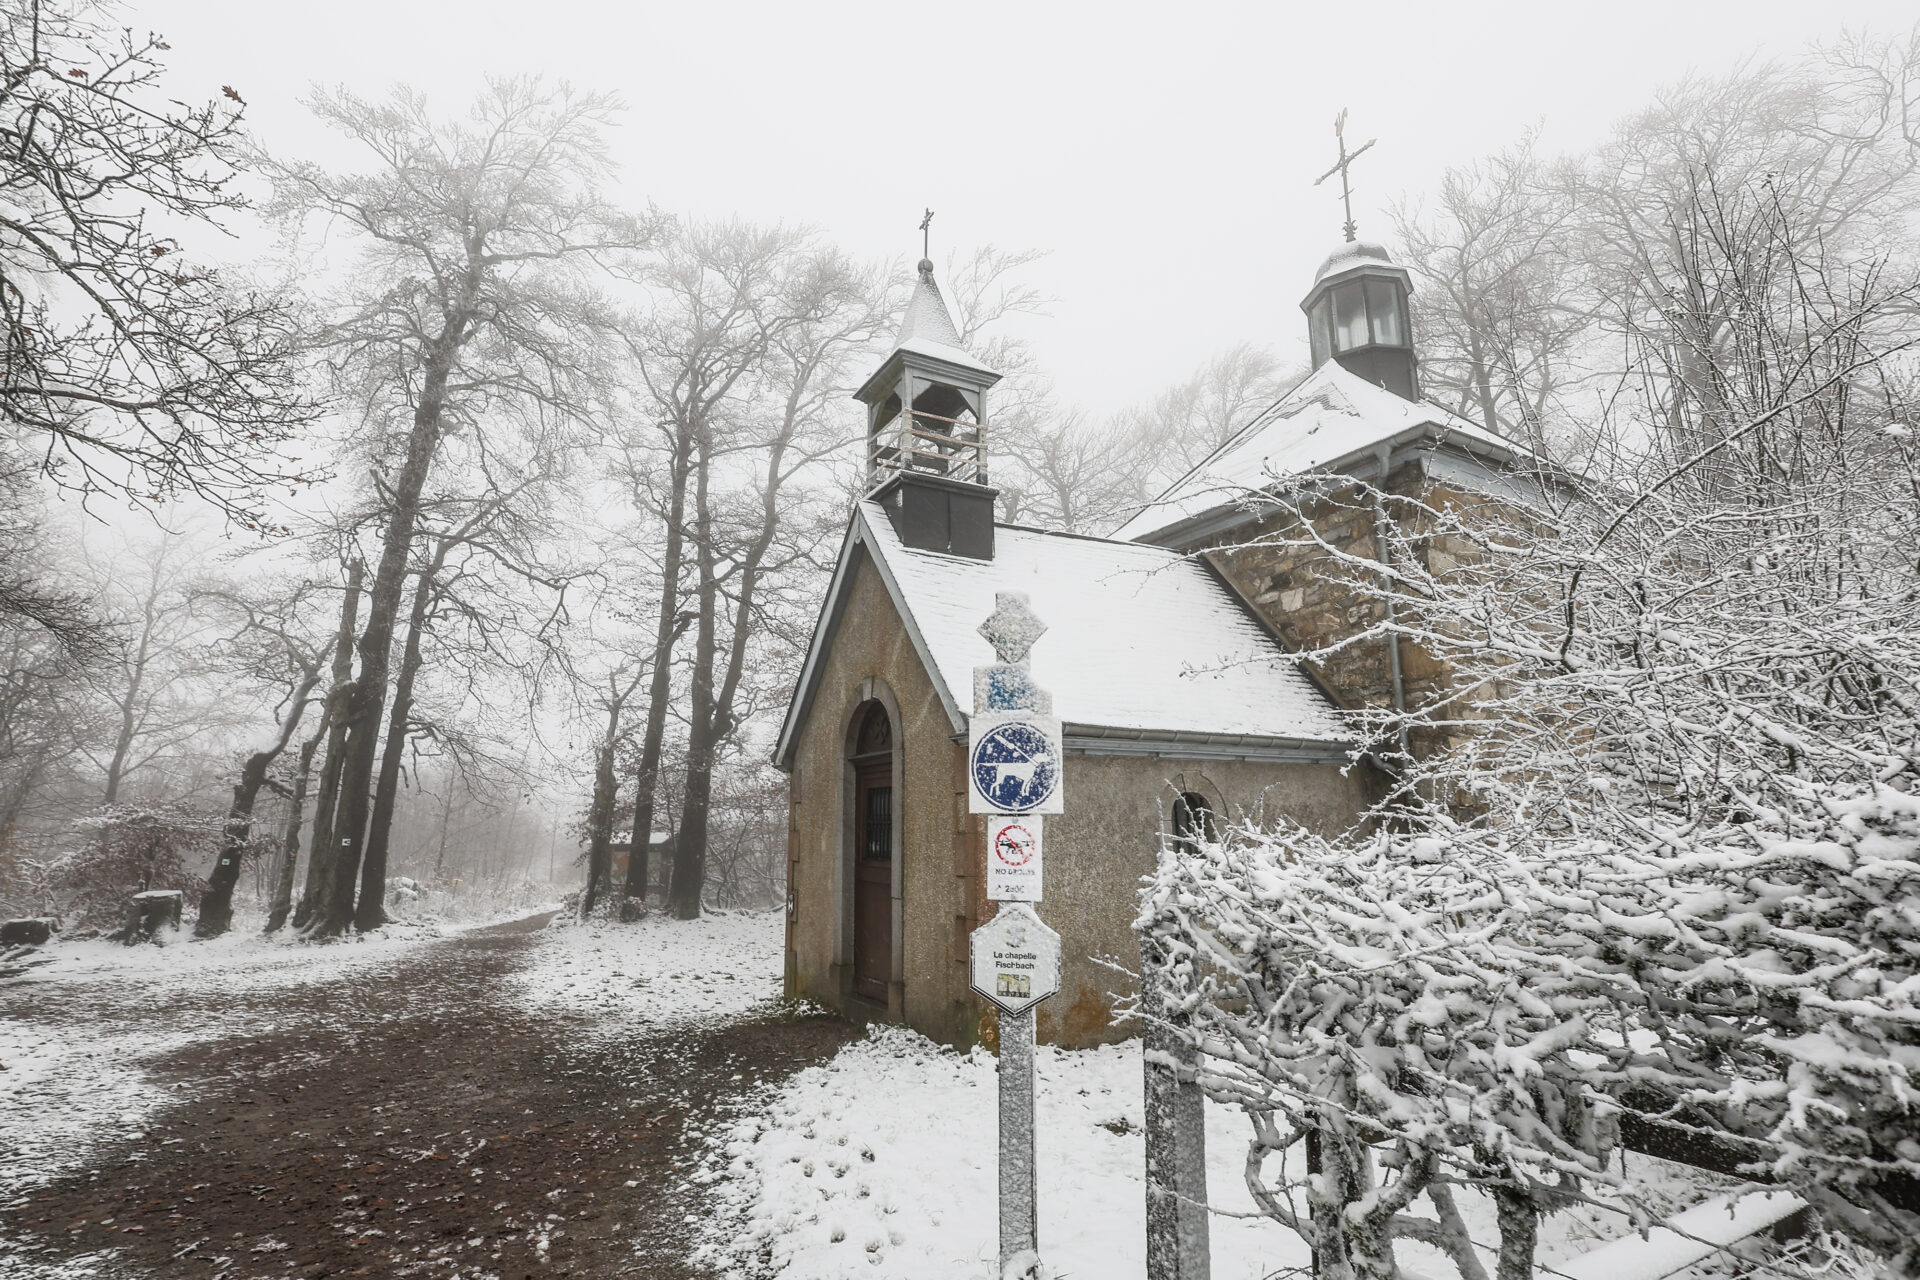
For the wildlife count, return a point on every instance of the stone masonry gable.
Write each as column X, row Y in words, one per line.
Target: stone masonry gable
column 1311, row 601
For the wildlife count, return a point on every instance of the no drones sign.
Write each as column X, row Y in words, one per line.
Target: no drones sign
column 1013, row 857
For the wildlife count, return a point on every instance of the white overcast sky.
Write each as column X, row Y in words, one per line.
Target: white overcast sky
column 1163, row 154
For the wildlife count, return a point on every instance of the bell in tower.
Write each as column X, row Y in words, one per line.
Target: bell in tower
column 927, row 432
column 1357, row 308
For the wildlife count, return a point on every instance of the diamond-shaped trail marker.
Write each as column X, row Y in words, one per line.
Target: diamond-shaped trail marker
column 1012, row 627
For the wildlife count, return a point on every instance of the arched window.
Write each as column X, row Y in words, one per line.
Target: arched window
column 1194, row 821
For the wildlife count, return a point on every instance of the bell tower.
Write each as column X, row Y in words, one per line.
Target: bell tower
column 1357, row 312
column 927, row 432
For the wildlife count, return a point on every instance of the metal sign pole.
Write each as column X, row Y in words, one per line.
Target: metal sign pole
column 1019, row 1206
column 1013, row 768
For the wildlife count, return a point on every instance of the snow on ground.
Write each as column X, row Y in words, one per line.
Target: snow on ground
column 180, row 960
column 78, row 1026
column 658, row 970
column 883, row 1164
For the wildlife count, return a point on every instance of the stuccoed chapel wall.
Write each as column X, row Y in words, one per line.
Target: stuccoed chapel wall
column 1096, row 852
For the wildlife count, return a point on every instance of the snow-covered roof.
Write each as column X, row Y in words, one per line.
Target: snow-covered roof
column 926, row 316
column 944, row 351
column 927, row 326
column 1141, row 642
column 1330, row 420
column 1352, row 256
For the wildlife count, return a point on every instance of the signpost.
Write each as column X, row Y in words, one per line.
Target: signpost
column 1014, row 768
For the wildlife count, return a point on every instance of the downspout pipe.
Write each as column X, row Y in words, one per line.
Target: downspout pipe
column 1382, row 553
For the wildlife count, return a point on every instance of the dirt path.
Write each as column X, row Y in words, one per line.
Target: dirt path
column 410, row 1124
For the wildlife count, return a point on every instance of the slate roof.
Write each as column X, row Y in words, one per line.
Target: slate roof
column 1142, row 643
column 1331, row 420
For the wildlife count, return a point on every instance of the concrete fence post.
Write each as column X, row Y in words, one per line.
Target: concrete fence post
column 1177, row 1240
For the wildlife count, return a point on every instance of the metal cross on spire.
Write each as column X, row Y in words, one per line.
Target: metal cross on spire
column 926, row 237
column 1346, row 159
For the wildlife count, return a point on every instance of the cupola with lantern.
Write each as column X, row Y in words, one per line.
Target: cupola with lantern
column 927, row 431
column 1357, row 310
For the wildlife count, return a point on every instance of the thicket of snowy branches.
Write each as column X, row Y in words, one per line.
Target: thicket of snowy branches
column 1671, row 867
column 1655, row 858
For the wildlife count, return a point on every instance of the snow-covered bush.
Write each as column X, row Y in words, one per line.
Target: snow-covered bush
column 129, row 849
column 457, row 901
column 1653, row 863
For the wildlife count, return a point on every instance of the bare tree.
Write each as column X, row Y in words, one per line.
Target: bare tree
column 662, row 495
column 796, row 314
column 492, row 540
column 480, row 242
column 611, row 698
column 127, row 366
column 333, row 724
column 152, row 688
column 53, row 644
column 1553, row 295
column 274, row 645
column 1497, row 324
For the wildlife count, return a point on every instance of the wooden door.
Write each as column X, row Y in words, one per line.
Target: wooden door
column 873, row 880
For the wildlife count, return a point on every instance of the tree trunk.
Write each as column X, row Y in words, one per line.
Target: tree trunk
column 13, row 802
column 641, row 856
column 666, row 635
column 290, row 845
column 690, row 844
column 372, row 911
column 123, row 738
column 600, row 816
column 446, row 823
column 320, row 861
column 363, row 720
column 216, row 903
column 690, row 848
column 710, row 718
column 1519, row 1225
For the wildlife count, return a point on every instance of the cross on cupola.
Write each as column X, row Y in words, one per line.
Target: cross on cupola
column 1358, row 308
column 1346, row 162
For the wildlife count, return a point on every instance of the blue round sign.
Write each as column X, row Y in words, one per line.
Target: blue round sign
column 1014, row 767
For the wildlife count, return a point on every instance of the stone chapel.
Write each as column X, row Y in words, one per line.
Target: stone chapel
column 1165, row 654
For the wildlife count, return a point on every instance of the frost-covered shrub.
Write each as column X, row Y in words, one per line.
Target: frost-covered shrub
column 1657, row 861
column 1367, row 998
column 1488, row 1012
column 128, row 849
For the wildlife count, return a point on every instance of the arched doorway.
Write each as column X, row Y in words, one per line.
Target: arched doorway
column 873, row 852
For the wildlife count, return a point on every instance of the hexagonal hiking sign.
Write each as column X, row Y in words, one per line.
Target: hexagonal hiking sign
column 1016, row 958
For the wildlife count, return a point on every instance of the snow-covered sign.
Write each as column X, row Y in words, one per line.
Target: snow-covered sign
column 1013, row 857
column 1013, row 763
column 1016, row 959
